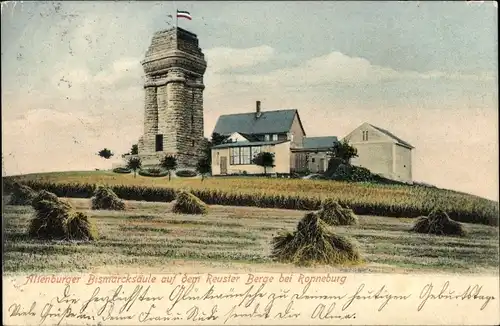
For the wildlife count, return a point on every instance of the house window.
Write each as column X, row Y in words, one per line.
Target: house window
column 243, row 155
column 365, row 135
column 218, row 160
column 255, row 151
column 313, row 160
column 275, row 137
column 266, row 137
column 235, row 156
column 159, row 143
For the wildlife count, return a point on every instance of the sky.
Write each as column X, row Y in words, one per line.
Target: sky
column 426, row 71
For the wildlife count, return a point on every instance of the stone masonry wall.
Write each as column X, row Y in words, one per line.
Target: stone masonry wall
column 150, row 119
column 174, row 67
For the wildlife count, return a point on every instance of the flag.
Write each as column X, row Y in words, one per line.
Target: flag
column 183, row 14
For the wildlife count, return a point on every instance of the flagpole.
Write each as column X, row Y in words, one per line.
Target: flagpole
column 176, row 18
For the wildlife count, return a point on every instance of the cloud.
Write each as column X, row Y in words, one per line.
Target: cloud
column 224, row 59
column 125, row 71
column 337, row 67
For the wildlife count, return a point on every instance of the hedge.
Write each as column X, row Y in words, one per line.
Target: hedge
column 216, row 197
column 185, row 173
column 121, row 170
column 153, row 172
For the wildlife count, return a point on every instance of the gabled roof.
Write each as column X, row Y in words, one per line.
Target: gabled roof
column 397, row 139
column 247, row 144
column 269, row 122
column 319, row 142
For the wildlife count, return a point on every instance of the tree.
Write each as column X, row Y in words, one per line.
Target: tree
column 264, row 159
column 134, row 150
column 218, row 139
column 169, row 163
column 204, row 164
column 203, row 167
column 344, row 151
column 105, row 153
column 134, row 164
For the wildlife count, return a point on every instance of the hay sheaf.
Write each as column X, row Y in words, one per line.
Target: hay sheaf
column 79, row 227
column 187, row 203
column 49, row 221
column 56, row 220
column 21, row 195
column 314, row 243
column 105, row 198
column 46, row 195
column 439, row 223
column 333, row 214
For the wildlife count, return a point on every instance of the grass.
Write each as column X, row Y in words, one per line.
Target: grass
column 148, row 235
column 363, row 198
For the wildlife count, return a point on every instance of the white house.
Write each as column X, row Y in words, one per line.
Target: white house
column 277, row 131
column 381, row 152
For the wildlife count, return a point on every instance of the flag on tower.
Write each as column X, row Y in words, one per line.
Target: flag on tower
column 183, row 14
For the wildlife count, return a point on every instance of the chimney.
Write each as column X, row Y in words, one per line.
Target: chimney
column 257, row 109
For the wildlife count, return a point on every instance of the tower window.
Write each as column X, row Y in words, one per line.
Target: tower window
column 192, row 120
column 159, row 143
column 192, row 143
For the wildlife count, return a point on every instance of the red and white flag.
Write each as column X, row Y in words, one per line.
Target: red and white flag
column 183, row 14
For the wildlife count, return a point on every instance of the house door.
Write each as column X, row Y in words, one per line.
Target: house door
column 223, row 165
column 321, row 165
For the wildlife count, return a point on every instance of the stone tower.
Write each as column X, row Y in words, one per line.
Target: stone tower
column 173, row 110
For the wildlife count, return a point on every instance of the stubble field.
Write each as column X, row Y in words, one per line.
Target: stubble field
column 147, row 236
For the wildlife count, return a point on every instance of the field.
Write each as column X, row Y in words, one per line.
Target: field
column 363, row 198
column 147, row 236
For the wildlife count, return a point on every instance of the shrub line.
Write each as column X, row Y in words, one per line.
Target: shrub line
column 217, row 197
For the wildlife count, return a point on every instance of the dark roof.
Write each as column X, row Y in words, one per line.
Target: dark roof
column 270, row 122
column 247, row 144
column 388, row 133
column 319, row 142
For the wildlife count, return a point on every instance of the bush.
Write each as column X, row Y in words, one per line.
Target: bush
column 340, row 171
column 21, row 195
column 360, row 174
column 314, row 243
column 187, row 203
column 55, row 220
column 333, row 214
column 105, row 198
column 438, row 223
column 153, row 172
column 122, row 170
column 333, row 165
column 185, row 173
